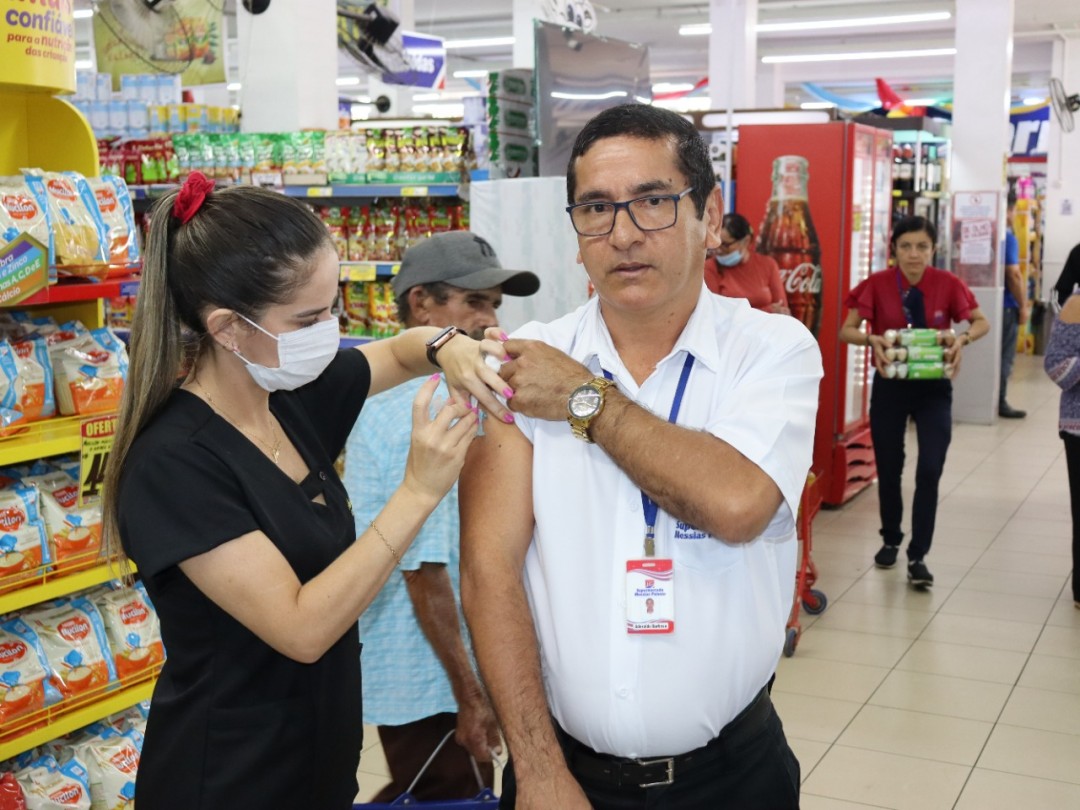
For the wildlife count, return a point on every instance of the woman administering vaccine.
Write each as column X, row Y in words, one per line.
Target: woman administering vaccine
column 221, row 488
column 735, row 270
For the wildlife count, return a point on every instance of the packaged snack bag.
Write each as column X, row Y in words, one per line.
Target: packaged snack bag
column 24, row 684
column 73, row 639
column 34, row 395
column 11, row 793
column 24, row 546
column 112, row 760
column 49, row 785
column 131, row 626
column 20, row 212
column 10, row 416
column 114, row 206
column 74, row 533
column 89, row 369
column 79, row 240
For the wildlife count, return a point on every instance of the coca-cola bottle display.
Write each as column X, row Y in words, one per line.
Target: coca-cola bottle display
column 788, row 236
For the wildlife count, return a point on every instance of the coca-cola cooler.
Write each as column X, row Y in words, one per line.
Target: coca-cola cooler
column 819, row 197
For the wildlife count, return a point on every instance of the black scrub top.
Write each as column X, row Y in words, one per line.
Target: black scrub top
column 233, row 723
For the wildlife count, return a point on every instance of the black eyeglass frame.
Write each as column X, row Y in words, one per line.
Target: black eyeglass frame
column 617, row 206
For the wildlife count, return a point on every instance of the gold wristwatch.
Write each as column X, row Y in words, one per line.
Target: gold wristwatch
column 585, row 403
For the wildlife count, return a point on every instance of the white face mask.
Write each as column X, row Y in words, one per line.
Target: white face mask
column 729, row 259
column 303, row 355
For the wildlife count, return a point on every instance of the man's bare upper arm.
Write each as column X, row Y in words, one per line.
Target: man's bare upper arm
column 495, row 496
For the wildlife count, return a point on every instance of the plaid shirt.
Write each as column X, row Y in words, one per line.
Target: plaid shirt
column 403, row 679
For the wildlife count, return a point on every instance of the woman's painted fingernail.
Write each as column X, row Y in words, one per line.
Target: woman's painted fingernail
column 508, row 392
column 507, row 359
column 508, row 418
column 503, row 336
column 435, row 377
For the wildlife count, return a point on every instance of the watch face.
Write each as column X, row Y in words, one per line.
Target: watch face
column 584, row 402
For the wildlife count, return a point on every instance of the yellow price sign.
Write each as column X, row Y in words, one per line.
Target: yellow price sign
column 320, row 191
column 362, row 271
column 97, row 441
column 414, row 191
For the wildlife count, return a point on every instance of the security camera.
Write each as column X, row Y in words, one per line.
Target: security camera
column 382, row 104
column 256, row 6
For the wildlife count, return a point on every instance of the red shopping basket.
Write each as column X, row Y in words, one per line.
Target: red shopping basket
column 484, row 800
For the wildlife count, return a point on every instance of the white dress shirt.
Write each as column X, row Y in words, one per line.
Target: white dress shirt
column 754, row 384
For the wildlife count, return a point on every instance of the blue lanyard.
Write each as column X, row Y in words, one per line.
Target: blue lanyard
column 650, row 507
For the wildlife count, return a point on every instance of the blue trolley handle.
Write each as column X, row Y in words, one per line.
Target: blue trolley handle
column 435, row 753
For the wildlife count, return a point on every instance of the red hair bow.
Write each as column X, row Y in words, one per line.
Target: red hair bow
column 192, row 195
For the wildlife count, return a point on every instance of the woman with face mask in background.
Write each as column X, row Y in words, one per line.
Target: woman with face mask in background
column 734, row 270
column 221, row 488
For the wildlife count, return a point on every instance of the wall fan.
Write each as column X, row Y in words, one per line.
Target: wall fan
column 1064, row 105
column 371, row 36
column 576, row 13
column 156, row 33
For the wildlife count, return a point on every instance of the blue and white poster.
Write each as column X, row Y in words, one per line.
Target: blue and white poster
column 426, row 57
column 1029, row 128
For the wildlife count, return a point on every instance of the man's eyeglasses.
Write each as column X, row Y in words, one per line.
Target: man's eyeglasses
column 653, row 213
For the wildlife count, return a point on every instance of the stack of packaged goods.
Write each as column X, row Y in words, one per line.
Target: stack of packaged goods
column 147, row 104
column 381, row 232
column 87, row 224
column 418, row 155
column 48, row 368
column 918, row 354
column 510, row 116
column 68, row 653
column 140, row 162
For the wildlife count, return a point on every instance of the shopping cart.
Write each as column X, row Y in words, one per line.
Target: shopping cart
column 484, row 800
column 807, row 597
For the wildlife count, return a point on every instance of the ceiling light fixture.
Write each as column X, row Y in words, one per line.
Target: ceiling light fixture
column 84, row 64
column 470, row 74
column 589, row 96
column 817, row 105
column 234, row 86
column 673, row 87
column 347, row 81
column 82, row 13
column 704, row 29
column 483, row 42
column 855, row 56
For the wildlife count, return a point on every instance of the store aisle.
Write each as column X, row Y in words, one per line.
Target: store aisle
column 965, row 696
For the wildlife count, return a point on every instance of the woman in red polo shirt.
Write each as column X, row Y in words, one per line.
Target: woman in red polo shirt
column 913, row 293
column 734, row 270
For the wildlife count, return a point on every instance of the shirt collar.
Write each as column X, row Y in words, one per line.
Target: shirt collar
column 594, row 347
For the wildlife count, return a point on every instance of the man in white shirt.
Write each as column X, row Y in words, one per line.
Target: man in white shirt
column 691, row 429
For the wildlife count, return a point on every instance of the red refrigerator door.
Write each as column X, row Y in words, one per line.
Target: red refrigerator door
column 843, row 456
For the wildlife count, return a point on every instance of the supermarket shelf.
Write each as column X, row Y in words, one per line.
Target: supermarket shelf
column 73, row 290
column 368, row 271
column 930, row 195
column 48, row 437
column 50, row 585
column 364, row 192
column 61, row 719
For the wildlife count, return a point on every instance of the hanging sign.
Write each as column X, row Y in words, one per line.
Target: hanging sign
column 975, row 239
column 37, row 45
column 426, row 57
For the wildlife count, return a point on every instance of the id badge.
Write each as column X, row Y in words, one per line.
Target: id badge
column 650, row 596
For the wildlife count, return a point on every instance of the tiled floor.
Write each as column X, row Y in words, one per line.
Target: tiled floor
column 966, row 696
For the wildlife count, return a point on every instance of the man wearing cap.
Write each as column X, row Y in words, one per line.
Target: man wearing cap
column 419, row 681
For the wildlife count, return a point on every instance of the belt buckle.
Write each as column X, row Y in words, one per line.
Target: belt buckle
column 670, row 762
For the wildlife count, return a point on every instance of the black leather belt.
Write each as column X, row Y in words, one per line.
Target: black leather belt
column 648, row 772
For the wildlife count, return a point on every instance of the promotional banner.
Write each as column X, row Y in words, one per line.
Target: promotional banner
column 1029, row 129
column 37, row 45
column 185, row 37
column 426, row 57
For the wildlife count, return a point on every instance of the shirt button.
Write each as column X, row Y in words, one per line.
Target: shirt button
column 322, row 475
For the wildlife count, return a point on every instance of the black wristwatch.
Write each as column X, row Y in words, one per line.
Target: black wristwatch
column 441, row 340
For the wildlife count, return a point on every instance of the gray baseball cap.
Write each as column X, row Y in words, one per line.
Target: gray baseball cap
column 461, row 259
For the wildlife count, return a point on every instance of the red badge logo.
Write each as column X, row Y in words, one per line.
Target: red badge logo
column 61, row 189
column 74, row 629
column 125, row 760
column 19, row 206
column 11, row 651
column 67, row 497
column 649, row 583
column 134, row 613
column 68, row 794
column 106, row 200
column 11, row 519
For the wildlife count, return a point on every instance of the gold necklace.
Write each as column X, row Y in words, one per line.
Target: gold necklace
column 275, row 448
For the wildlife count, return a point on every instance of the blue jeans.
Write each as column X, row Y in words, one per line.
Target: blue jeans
column 1010, row 332
column 892, row 403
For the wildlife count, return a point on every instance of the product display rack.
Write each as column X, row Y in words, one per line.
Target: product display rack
column 40, row 130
